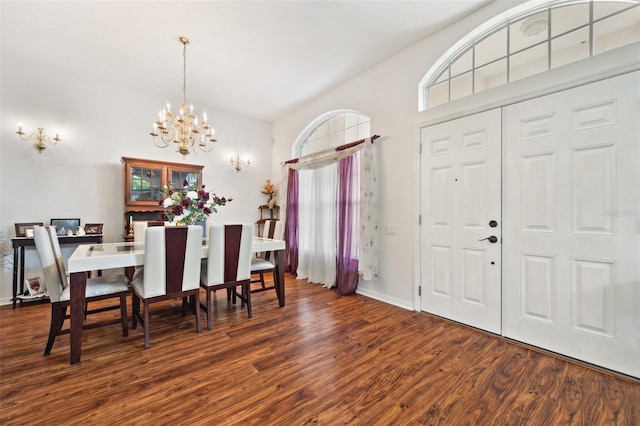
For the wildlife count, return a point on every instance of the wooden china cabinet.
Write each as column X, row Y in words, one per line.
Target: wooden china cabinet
column 143, row 182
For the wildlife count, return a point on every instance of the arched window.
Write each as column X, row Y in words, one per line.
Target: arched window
column 332, row 129
column 526, row 40
column 331, row 203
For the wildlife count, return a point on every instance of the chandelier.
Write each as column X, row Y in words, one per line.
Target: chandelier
column 183, row 128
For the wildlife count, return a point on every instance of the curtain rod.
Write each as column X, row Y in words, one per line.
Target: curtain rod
column 337, row 148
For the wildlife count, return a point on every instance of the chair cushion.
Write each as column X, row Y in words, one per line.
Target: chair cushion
column 258, row 265
column 100, row 286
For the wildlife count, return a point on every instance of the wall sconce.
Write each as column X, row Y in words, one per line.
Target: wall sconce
column 238, row 163
column 41, row 138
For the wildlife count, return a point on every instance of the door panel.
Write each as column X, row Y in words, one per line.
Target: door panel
column 460, row 194
column 571, row 274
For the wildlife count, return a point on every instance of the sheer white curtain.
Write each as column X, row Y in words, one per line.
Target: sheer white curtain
column 317, row 224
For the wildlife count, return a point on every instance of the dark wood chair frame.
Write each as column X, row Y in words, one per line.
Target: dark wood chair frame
column 232, row 295
column 232, row 246
column 59, row 315
column 190, row 298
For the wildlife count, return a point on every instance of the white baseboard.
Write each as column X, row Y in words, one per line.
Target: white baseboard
column 364, row 292
column 386, row 299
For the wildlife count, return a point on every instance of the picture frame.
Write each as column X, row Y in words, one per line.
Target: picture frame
column 34, row 286
column 22, row 228
column 63, row 225
column 34, row 289
column 93, row 228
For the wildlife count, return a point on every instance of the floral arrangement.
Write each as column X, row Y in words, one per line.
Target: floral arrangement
column 269, row 189
column 190, row 204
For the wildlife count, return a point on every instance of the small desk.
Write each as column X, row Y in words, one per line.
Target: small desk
column 19, row 243
column 90, row 257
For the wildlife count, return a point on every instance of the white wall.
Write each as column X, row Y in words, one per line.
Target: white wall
column 100, row 122
column 82, row 176
column 388, row 94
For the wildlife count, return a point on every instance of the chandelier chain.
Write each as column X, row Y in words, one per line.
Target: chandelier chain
column 184, row 73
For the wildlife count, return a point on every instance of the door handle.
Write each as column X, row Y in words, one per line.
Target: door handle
column 492, row 239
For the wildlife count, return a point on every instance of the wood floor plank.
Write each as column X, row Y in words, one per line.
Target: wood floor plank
column 322, row 359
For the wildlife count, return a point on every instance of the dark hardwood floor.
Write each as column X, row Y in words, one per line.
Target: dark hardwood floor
column 323, row 359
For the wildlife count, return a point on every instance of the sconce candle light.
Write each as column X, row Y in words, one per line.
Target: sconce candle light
column 238, row 163
column 41, row 138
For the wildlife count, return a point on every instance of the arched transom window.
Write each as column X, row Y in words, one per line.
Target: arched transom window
column 332, row 129
column 529, row 39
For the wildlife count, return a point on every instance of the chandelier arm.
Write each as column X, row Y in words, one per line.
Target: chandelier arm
column 21, row 134
column 173, row 133
column 155, row 142
column 202, row 146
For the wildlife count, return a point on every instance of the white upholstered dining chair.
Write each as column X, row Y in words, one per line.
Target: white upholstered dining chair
column 264, row 262
column 57, row 286
column 171, row 270
column 227, row 265
column 139, row 228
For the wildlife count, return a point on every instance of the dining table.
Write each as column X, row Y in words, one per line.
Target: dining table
column 105, row 256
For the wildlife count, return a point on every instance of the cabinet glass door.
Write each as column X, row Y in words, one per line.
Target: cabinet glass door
column 146, row 184
column 179, row 177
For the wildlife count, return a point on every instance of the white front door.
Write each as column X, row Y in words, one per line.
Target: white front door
column 460, row 205
column 572, row 223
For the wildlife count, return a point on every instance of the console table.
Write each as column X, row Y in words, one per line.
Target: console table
column 19, row 243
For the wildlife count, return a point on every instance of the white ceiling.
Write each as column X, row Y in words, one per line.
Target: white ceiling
column 255, row 58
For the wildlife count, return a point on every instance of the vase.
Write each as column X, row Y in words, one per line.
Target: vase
column 203, row 224
column 271, row 202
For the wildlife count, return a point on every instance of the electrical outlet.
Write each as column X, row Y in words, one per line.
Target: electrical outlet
column 390, row 229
